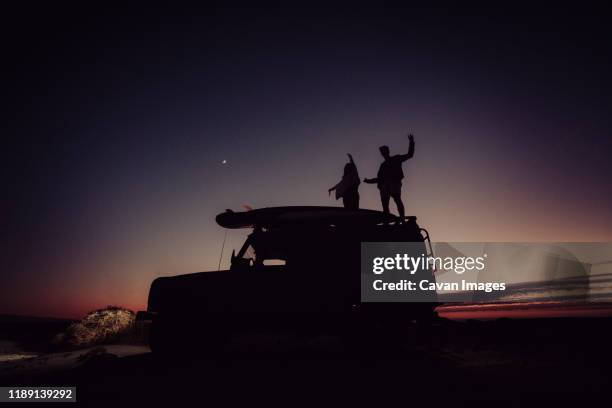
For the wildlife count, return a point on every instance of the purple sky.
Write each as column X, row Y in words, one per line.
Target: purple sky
column 122, row 120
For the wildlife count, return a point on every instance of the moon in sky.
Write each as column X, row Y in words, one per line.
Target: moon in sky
column 223, row 161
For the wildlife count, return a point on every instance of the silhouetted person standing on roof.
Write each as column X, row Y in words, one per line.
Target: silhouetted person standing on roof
column 389, row 178
column 348, row 187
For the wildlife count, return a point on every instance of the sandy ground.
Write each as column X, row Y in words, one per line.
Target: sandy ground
column 502, row 363
column 21, row 363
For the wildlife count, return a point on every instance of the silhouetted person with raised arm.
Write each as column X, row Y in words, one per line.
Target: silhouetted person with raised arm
column 348, row 187
column 389, row 178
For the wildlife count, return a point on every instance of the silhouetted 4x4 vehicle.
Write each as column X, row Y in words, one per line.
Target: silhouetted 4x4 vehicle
column 299, row 269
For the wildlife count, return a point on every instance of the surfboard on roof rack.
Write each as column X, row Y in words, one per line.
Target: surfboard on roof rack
column 299, row 215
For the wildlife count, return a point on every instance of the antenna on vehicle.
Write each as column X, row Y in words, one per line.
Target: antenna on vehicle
column 223, row 245
column 222, row 248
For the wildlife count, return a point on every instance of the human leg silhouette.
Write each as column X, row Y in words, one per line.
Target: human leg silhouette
column 400, row 206
column 395, row 191
column 384, row 199
column 351, row 200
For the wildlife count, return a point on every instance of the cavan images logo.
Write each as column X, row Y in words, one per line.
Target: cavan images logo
column 409, row 264
column 407, row 272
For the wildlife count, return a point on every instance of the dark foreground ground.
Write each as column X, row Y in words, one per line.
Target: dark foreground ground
column 547, row 362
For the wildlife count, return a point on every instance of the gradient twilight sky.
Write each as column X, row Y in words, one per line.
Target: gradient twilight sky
column 120, row 120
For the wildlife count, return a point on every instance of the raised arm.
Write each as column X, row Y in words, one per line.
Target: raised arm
column 410, row 153
column 350, row 158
